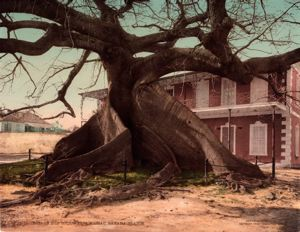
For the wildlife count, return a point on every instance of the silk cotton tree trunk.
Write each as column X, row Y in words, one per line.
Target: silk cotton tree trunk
column 143, row 124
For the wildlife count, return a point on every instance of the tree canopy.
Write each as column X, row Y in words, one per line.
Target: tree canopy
column 214, row 36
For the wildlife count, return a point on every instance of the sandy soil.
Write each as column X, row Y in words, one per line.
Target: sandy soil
column 199, row 209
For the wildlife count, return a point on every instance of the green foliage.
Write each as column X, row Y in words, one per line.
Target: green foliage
column 187, row 178
column 19, row 171
column 109, row 180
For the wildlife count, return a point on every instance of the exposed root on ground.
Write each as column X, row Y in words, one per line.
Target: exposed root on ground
column 240, row 183
column 70, row 189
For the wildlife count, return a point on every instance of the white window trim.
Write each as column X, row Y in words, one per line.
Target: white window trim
column 297, row 143
column 234, row 135
column 258, row 123
column 222, row 92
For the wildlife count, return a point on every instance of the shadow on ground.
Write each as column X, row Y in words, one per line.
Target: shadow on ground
column 288, row 219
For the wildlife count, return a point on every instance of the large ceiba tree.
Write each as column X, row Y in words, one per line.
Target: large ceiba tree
column 140, row 121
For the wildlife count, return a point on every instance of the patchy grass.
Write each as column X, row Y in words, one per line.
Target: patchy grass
column 109, row 180
column 187, row 178
column 18, row 172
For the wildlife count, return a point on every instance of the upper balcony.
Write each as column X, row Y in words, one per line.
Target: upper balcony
column 221, row 92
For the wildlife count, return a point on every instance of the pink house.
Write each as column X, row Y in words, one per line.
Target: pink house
column 261, row 124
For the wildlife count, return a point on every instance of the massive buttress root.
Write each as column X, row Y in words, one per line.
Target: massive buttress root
column 100, row 146
column 184, row 133
column 161, row 130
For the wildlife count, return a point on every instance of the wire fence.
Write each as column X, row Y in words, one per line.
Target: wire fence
column 20, row 156
column 21, row 164
column 44, row 160
column 23, row 153
column 40, row 163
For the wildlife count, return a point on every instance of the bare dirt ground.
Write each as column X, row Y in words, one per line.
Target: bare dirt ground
column 212, row 208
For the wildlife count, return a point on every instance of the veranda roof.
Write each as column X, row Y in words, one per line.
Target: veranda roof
column 25, row 117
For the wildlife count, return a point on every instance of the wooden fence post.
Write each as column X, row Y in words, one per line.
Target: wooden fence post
column 205, row 170
column 273, row 142
column 29, row 154
column 125, row 170
column 45, row 169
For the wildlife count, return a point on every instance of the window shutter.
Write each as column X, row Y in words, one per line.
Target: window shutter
column 258, row 90
column 228, row 94
column 258, row 139
column 202, row 94
column 224, row 136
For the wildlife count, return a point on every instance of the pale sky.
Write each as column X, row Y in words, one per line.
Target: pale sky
column 15, row 96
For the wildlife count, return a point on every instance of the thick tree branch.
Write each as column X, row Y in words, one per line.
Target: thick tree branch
column 65, row 16
column 216, row 40
column 72, row 28
column 55, row 36
column 30, row 48
column 217, row 13
column 25, row 24
column 145, row 42
column 178, row 59
column 273, row 63
column 204, row 61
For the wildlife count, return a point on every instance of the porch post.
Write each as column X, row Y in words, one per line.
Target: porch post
column 273, row 143
column 229, row 129
column 81, row 110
